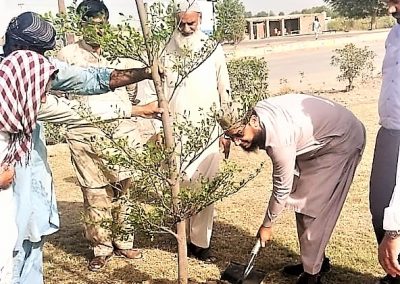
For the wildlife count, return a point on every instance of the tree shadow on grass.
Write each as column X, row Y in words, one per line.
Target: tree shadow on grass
column 72, row 179
column 229, row 243
column 70, row 237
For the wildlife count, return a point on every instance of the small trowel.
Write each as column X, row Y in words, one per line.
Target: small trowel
column 237, row 273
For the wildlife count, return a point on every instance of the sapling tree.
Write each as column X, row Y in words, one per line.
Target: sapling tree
column 162, row 197
column 353, row 62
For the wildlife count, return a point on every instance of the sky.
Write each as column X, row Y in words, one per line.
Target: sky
column 280, row 5
column 11, row 8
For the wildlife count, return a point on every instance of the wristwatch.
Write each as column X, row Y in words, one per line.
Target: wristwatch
column 393, row 234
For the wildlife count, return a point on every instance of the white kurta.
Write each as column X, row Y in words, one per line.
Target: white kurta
column 8, row 235
column 205, row 87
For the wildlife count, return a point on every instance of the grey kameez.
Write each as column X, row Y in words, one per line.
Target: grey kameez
column 321, row 143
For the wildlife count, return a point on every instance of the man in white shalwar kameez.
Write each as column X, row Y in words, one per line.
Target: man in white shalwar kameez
column 205, row 87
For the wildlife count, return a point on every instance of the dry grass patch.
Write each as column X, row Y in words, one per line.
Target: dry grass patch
column 352, row 247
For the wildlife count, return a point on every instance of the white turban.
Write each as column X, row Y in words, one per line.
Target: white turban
column 187, row 6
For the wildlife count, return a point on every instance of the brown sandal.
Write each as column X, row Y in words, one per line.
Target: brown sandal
column 98, row 262
column 128, row 253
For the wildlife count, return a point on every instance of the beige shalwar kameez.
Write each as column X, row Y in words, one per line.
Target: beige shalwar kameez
column 315, row 146
column 101, row 201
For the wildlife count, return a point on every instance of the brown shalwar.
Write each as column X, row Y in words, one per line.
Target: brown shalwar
column 321, row 143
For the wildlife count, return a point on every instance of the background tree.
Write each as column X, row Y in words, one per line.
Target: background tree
column 355, row 9
column 231, row 23
column 281, row 13
column 353, row 62
column 262, row 14
column 248, row 14
column 319, row 9
column 271, row 13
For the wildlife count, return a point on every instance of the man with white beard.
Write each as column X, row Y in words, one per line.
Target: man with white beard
column 204, row 87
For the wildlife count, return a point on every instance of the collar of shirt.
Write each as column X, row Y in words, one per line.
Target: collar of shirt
column 267, row 126
column 90, row 49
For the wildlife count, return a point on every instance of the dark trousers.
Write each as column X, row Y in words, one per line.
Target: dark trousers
column 383, row 176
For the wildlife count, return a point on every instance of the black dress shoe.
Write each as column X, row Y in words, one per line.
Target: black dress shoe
column 306, row 278
column 297, row 269
column 389, row 280
column 203, row 254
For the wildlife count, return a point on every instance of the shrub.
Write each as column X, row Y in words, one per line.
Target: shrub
column 249, row 81
column 55, row 133
column 353, row 63
column 231, row 22
column 344, row 24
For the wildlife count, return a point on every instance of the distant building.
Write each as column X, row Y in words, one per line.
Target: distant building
column 265, row 27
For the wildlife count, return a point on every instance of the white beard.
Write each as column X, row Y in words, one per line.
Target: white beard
column 193, row 42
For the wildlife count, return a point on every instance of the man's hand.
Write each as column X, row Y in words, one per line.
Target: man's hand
column 225, row 146
column 7, row 174
column 150, row 110
column 388, row 253
column 265, row 235
column 147, row 72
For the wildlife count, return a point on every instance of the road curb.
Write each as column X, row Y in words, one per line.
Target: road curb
column 277, row 47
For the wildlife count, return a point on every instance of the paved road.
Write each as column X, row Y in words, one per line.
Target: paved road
column 302, row 38
column 315, row 65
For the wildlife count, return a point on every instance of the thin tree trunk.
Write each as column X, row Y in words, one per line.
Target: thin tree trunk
column 373, row 19
column 169, row 144
column 68, row 37
column 182, row 253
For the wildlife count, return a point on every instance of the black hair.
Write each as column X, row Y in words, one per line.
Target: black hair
column 92, row 8
column 11, row 45
column 248, row 115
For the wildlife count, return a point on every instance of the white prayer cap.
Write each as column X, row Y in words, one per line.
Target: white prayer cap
column 187, row 6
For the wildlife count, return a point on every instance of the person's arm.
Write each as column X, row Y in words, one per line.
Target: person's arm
column 121, row 78
column 391, row 220
column 150, row 110
column 7, row 174
column 94, row 81
column 223, row 82
column 283, row 162
column 389, row 248
column 225, row 95
column 62, row 111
